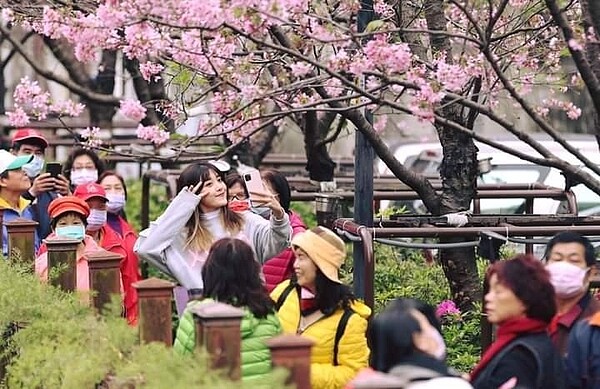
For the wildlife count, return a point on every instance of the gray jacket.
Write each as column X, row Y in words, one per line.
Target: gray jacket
column 163, row 244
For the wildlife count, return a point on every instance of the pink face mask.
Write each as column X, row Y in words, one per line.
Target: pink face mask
column 566, row 278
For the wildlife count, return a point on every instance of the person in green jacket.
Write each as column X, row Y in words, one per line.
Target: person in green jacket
column 231, row 275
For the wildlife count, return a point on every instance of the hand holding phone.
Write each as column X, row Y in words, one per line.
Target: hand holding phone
column 54, row 168
column 254, row 185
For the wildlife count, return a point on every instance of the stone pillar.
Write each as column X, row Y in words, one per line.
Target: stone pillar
column 105, row 277
column 21, row 241
column 292, row 352
column 218, row 330
column 154, row 302
column 62, row 263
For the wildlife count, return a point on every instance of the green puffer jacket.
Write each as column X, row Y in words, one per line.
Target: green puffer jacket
column 256, row 357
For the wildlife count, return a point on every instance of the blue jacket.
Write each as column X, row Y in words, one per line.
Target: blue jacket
column 583, row 355
column 9, row 214
column 40, row 212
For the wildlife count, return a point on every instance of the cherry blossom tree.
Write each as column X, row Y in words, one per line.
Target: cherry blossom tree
column 256, row 63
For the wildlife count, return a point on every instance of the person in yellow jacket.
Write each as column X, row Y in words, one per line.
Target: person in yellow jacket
column 315, row 304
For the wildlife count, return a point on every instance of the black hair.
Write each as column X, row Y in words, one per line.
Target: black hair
column 390, row 333
column 573, row 237
column 329, row 295
column 281, row 186
column 231, row 275
column 54, row 221
column 16, row 146
column 234, row 178
column 68, row 166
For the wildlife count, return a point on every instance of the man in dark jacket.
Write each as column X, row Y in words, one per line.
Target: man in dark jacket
column 44, row 188
column 570, row 259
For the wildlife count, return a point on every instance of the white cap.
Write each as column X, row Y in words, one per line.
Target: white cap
column 10, row 161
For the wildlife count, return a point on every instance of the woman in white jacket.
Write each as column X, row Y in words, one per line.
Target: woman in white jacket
column 179, row 240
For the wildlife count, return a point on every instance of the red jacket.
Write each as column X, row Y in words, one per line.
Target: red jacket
column 280, row 267
column 130, row 273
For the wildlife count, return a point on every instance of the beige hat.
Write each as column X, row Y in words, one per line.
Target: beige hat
column 324, row 248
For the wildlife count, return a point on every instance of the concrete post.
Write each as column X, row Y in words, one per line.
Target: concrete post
column 21, row 241
column 154, row 302
column 105, row 277
column 62, row 263
column 218, row 330
column 293, row 353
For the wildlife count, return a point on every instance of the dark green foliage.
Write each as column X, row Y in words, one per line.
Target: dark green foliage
column 56, row 341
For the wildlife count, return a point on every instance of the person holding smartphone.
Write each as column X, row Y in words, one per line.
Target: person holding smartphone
column 178, row 242
column 45, row 185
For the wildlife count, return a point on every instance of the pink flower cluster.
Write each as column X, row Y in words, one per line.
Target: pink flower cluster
column 152, row 133
column 447, row 308
column 151, row 71
column 92, row 137
column 31, row 101
column 132, row 109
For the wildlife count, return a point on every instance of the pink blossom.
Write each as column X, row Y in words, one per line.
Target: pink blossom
column 151, row 70
column 453, row 77
column 92, row 137
column 7, row 15
column 447, row 308
column 152, row 133
column 18, row 117
column 300, row 69
column 132, row 109
column 575, row 45
column 380, row 123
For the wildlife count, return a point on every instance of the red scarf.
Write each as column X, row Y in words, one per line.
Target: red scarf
column 507, row 332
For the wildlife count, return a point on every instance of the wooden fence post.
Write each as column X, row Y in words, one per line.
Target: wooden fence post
column 105, row 277
column 154, row 302
column 292, row 352
column 218, row 330
column 62, row 263
column 21, row 241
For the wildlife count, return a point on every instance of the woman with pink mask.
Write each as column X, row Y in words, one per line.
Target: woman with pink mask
column 179, row 240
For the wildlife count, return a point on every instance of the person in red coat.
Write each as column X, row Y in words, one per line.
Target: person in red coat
column 280, row 267
column 116, row 192
column 117, row 238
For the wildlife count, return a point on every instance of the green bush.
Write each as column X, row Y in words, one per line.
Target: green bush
column 60, row 343
column 401, row 272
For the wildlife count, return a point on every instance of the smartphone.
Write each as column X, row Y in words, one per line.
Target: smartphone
column 254, row 183
column 54, row 168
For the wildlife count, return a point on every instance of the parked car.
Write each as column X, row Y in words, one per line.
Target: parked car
column 505, row 168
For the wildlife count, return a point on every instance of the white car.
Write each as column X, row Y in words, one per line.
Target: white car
column 506, row 168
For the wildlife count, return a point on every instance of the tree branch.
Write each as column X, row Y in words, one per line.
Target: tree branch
column 67, row 83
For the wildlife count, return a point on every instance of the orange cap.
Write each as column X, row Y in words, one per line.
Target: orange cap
column 68, row 204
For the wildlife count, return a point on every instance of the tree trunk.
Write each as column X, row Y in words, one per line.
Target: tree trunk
column 458, row 172
column 319, row 164
column 459, row 179
column 101, row 115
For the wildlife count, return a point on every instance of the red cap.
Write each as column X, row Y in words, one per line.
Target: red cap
column 28, row 133
column 64, row 204
column 87, row 191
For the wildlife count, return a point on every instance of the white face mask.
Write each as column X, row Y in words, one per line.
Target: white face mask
column 84, row 176
column 116, row 202
column 566, row 278
column 96, row 220
column 34, row 168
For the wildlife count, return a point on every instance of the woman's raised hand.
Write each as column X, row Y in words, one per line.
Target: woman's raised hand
column 268, row 199
column 195, row 189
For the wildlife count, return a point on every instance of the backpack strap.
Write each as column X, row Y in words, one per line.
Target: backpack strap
column 286, row 292
column 341, row 328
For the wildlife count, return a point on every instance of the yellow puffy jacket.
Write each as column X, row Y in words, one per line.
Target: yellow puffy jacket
column 353, row 352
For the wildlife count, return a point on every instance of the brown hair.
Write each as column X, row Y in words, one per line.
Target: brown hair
column 199, row 237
